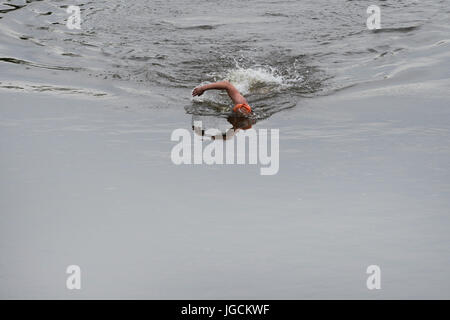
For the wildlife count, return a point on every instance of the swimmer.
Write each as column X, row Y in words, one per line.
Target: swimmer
column 241, row 107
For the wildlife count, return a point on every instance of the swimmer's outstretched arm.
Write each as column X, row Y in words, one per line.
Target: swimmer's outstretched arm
column 234, row 93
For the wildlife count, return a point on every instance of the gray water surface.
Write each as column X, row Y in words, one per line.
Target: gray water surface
column 86, row 176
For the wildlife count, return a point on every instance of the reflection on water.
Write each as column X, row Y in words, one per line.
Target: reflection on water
column 201, row 126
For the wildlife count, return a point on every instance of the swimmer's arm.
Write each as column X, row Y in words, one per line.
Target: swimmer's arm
column 234, row 93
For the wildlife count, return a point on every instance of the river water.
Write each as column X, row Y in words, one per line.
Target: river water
column 275, row 52
column 85, row 142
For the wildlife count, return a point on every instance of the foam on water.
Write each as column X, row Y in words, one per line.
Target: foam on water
column 246, row 79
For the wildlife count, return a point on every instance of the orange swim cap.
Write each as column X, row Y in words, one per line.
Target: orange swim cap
column 243, row 108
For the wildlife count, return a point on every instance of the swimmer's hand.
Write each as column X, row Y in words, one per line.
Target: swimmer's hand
column 198, row 91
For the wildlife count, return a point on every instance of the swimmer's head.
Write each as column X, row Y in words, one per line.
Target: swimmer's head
column 242, row 109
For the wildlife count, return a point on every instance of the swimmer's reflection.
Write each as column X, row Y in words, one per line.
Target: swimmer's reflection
column 238, row 123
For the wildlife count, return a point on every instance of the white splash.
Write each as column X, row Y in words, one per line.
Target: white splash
column 244, row 79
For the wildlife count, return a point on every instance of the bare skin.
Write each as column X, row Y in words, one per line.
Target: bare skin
column 233, row 93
